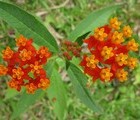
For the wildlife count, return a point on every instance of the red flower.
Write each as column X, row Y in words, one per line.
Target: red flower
column 25, row 66
column 109, row 52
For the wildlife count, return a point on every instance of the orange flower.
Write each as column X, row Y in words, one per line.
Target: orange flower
column 117, row 38
column 106, row 74
column 91, row 61
column 121, row 59
column 7, row 53
column 15, row 84
column 109, row 53
column 31, row 88
column 132, row 62
column 127, row 32
column 36, row 67
column 21, row 41
column 114, row 23
column 100, row 34
column 44, row 83
column 121, row 75
column 43, row 52
column 3, row 70
column 132, row 45
column 25, row 66
column 17, row 73
column 25, row 55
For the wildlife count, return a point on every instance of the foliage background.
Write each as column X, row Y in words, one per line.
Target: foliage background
column 120, row 102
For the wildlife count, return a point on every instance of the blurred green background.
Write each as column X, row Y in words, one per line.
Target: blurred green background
column 119, row 101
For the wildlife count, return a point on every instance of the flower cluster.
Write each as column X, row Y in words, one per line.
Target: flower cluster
column 109, row 48
column 25, row 66
column 70, row 49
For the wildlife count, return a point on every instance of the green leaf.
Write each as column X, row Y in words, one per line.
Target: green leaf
column 79, row 40
column 67, row 64
column 93, row 20
column 79, row 81
column 134, row 54
column 27, row 25
column 10, row 93
column 57, row 95
column 49, row 67
column 25, row 101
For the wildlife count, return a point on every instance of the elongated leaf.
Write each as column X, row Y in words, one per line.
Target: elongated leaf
column 10, row 93
column 49, row 67
column 57, row 94
column 27, row 25
column 79, row 80
column 80, row 39
column 25, row 101
column 93, row 20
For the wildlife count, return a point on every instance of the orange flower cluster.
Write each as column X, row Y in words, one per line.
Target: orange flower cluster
column 25, row 66
column 109, row 52
column 70, row 49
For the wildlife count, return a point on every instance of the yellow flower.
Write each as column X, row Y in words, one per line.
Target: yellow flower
column 107, row 52
column 7, row 53
column 106, row 74
column 91, row 61
column 121, row 59
column 21, row 41
column 25, row 55
column 3, row 70
column 44, row 83
column 121, row 75
column 132, row 62
column 117, row 37
column 132, row 45
column 100, row 34
column 114, row 23
column 127, row 32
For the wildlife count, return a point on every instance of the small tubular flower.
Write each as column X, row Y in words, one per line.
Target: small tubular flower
column 108, row 55
column 25, row 55
column 13, row 84
column 36, row 67
column 121, row 59
column 7, row 53
column 44, row 83
column 127, row 32
column 25, row 66
column 106, row 74
column 117, row 38
column 107, row 52
column 114, row 23
column 100, row 34
column 121, row 75
column 44, row 52
column 3, row 70
column 17, row 73
column 132, row 45
column 132, row 62
column 31, row 88
column 21, row 41
column 91, row 61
